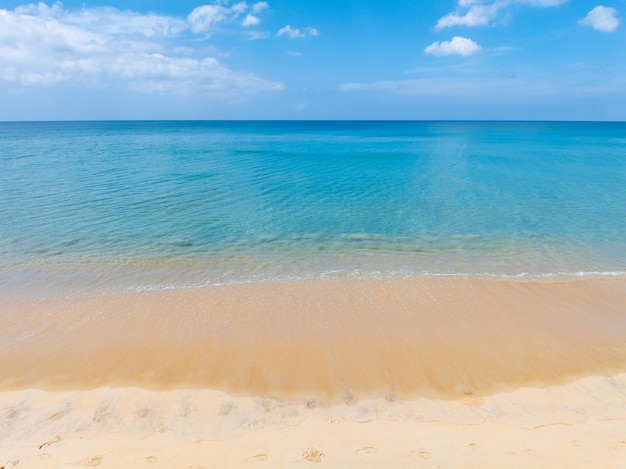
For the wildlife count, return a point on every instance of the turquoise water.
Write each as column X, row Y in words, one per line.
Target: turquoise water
column 155, row 204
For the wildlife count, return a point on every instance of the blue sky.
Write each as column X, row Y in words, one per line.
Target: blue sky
column 316, row 59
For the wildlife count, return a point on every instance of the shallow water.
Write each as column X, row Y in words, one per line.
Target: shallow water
column 119, row 205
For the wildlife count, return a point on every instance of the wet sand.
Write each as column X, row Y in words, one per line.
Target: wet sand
column 364, row 372
column 328, row 339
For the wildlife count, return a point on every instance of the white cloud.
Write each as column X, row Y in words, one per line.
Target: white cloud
column 482, row 13
column 477, row 15
column 206, row 18
column 250, row 20
column 113, row 22
column 203, row 19
column 42, row 45
column 602, row 18
column 457, row 46
column 156, row 72
column 257, row 34
column 293, row 33
column 259, row 7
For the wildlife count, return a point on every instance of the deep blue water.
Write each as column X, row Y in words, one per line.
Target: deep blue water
column 143, row 204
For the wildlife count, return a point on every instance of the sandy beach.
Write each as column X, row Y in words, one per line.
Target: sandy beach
column 582, row 424
column 378, row 372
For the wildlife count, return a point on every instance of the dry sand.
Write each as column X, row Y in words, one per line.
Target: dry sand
column 582, row 424
column 428, row 372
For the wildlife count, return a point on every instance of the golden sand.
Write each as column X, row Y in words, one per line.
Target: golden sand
column 421, row 372
column 325, row 339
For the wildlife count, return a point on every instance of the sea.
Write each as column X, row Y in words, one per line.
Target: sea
column 141, row 205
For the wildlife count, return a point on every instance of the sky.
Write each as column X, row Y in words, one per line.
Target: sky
column 313, row 59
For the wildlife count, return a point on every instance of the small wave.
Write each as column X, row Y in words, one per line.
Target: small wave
column 358, row 274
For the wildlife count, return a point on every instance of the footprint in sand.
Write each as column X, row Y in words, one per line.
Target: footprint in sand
column 313, row 455
column 187, row 407
column 13, row 414
column 266, row 404
column 90, row 462
column 11, row 463
column 348, row 398
column 67, row 408
column 151, row 459
column 227, row 408
column 262, row 457
column 59, row 415
column 367, row 450
column 102, row 413
column 50, row 443
column 145, row 412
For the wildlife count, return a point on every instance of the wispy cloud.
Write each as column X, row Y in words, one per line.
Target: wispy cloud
column 442, row 86
column 102, row 20
column 205, row 18
column 602, row 19
column 41, row 44
column 293, row 33
column 475, row 15
column 259, row 7
column 457, row 46
column 482, row 13
column 481, row 88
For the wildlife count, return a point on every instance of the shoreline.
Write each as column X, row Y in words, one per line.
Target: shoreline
column 328, row 340
column 78, row 276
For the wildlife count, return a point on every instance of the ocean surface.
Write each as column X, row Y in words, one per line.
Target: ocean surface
column 150, row 205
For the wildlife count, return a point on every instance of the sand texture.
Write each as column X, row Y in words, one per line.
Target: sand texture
column 396, row 372
column 579, row 425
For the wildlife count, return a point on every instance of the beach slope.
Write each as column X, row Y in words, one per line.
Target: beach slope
column 370, row 372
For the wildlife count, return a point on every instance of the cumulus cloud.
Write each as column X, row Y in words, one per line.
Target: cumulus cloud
column 293, row 33
column 482, row 13
column 457, row 46
column 42, row 44
column 602, row 18
column 250, row 20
